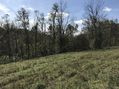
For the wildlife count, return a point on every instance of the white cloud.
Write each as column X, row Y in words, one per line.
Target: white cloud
column 30, row 9
column 107, row 9
column 65, row 14
column 31, row 23
column 80, row 25
column 79, row 22
column 4, row 9
column 47, row 16
column 77, row 33
column 26, row 7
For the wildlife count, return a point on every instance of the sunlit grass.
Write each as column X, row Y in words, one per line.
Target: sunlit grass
column 76, row 70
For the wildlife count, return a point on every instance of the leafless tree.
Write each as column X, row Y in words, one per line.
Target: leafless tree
column 7, row 28
column 23, row 17
column 93, row 17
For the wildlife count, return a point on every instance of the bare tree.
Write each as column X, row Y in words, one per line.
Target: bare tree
column 36, row 30
column 7, row 28
column 61, row 23
column 94, row 16
column 42, row 22
column 52, row 27
column 23, row 17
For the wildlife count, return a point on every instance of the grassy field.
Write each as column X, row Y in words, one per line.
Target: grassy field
column 76, row 70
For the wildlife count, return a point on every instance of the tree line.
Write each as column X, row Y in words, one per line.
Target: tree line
column 19, row 40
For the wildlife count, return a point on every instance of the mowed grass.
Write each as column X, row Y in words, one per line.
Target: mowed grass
column 75, row 70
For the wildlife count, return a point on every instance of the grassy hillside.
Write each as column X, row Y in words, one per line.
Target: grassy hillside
column 76, row 70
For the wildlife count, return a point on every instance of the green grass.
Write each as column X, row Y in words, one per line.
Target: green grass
column 76, row 70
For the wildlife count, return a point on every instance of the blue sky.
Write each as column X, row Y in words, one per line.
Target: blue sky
column 75, row 8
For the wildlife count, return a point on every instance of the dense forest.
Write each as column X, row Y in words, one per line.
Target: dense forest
column 19, row 40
